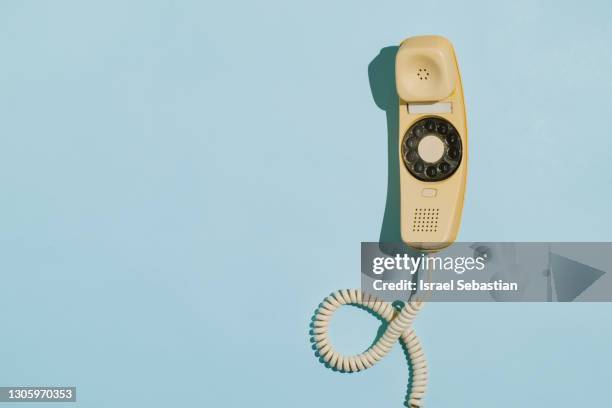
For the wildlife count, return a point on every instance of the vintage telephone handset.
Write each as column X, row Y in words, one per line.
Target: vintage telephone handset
column 433, row 170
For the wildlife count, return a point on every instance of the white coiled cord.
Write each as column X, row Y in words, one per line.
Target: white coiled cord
column 399, row 328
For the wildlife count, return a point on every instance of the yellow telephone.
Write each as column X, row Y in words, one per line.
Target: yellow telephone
column 433, row 142
column 433, row 167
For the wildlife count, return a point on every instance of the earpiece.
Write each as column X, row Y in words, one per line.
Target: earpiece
column 433, row 142
column 425, row 69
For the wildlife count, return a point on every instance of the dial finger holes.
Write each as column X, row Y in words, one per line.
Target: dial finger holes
column 443, row 167
column 412, row 143
column 412, row 156
column 431, row 149
column 419, row 166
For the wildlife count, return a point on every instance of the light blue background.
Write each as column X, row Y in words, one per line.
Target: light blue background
column 183, row 182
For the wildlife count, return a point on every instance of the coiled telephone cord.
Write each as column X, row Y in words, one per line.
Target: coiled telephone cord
column 399, row 328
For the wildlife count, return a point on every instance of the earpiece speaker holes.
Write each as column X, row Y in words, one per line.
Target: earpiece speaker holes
column 423, row 74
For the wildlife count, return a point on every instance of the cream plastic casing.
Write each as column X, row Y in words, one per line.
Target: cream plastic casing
column 441, row 201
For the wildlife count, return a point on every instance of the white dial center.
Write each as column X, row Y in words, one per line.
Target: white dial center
column 431, row 148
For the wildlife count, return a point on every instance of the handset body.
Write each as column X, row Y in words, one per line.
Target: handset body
column 433, row 142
